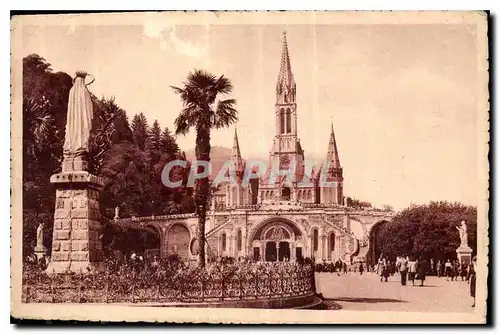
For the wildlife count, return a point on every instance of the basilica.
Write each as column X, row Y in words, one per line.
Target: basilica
column 300, row 214
column 304, row 185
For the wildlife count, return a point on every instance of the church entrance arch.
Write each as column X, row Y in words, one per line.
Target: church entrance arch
column 374, row 249
column 178, row 240
column 277, row 239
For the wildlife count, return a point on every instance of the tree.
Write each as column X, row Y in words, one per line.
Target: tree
column 109, row 127
column 428, row 230
column 387, row 208
column 45, row 102
column 202, row 112
column 127, row 181
column 140, row 130
column 154, row 141
column 356, row 203
column 168, row 143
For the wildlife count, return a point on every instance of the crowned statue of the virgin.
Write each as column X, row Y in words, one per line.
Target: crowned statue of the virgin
column 79, row 118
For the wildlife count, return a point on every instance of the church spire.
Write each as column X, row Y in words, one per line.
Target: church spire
column 332, row 193
column 333, row 154
column 236, row 154
column 285, row 87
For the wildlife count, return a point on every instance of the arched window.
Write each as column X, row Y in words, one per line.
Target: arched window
column 315, row 240
column 288, row 121
column 282, row 120
column 239, row 240
column 285, row 194
column 223, row 242
column 332, row 242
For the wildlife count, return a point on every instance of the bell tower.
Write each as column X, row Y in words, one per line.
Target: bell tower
column 286, row 145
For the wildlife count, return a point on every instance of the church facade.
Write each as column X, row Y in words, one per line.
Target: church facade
column 283, row 216
column 305, row 185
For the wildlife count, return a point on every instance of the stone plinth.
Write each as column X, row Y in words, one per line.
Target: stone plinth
column 40, row 252
column 76, row 243
column 464, row 253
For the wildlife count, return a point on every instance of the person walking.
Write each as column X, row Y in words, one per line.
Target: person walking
column 386, row 271
column 463, row 271
column 422, row 268
column 470, row 270
column 438, row 268
column 448, row 270
column 382, row 269
column 403, row 269
column 456, row 269
column 379, row 269
column 393, row 268
column 361, row 269
column 472, row 280
column 412, row 270
column 338, row 266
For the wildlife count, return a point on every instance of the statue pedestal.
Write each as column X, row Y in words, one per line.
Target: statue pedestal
column 76, row 243
column 464, row 253
column 40, row 252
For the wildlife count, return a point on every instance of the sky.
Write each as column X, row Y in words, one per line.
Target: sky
column 402, row 97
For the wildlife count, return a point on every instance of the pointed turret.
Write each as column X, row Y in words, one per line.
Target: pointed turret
column 332, row 157
column 331, row 179
column 237, row 193
column 285, row 87
column 236, row 155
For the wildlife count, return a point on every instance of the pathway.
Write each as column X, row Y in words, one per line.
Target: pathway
column 365, row 292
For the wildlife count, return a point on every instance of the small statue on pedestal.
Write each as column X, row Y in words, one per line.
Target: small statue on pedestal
column 39, row 248
column 464, row 252
column 462, row 229
column 39, row 235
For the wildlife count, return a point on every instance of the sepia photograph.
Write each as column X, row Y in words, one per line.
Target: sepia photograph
column 250, row 167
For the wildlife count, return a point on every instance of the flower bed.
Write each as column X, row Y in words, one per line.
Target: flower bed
column 169, row 282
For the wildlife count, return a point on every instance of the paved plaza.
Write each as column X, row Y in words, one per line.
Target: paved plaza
column 352, row 291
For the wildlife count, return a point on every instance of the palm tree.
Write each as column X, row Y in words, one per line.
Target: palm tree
column 202, row 111
column 38, row 126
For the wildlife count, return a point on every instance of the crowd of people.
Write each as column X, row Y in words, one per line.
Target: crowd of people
column 413, row 269
column 337, row 267
column 453, row 270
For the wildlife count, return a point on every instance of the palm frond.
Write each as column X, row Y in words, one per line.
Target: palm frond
column 200, row 79
column 225, row 113
column 177, row 90
column 187, row 118
column 223, row 85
